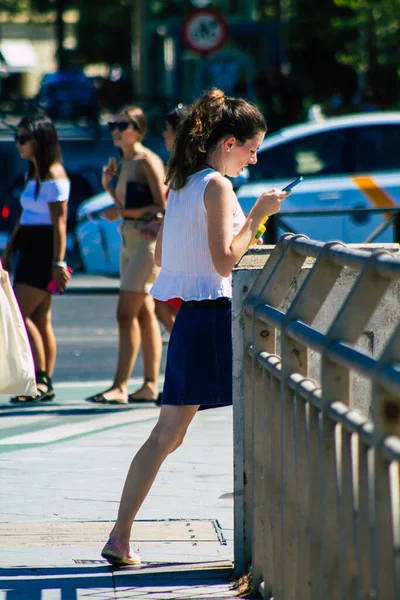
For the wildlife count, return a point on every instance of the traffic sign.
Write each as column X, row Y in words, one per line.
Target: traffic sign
column 204, row 30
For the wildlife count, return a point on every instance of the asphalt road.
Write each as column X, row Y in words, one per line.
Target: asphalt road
column 87, row 338
column 87, row 345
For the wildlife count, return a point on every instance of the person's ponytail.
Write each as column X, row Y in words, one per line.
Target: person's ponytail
column 191, row 143
column 211, row 118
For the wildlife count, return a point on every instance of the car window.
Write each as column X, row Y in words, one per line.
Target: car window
column 319, row 154
column 377, row 148
column 81, row 190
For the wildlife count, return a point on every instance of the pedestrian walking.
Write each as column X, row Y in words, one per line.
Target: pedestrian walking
column 203, row 235
column 40, row 239
column 139, row 194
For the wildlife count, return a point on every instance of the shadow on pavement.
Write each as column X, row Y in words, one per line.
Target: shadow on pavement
column 28, row 583
column 14, row 411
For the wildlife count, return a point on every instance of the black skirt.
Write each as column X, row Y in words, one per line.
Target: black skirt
column 34, row 244
column 199, row 359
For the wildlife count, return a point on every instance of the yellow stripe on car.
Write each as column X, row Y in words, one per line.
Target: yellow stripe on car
column 379, row 197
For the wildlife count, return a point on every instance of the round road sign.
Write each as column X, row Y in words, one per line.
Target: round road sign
column 204, row 30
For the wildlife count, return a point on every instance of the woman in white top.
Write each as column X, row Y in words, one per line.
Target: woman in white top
column 204, row 234
column 40, row 238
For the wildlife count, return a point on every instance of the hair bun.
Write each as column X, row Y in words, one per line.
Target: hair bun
column 216, row 94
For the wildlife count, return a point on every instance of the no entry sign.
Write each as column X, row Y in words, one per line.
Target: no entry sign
column 204, row 30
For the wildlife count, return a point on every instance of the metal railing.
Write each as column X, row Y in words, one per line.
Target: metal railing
column 317, row 503
column 361, row 215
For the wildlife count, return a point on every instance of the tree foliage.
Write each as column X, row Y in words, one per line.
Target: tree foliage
column 14, row 6
column 104, row 35
column 341, row 45
column 378, row 25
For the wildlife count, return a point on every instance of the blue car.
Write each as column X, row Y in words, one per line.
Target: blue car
column 69, row 95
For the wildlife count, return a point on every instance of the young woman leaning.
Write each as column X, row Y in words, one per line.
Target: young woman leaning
column 204, row 234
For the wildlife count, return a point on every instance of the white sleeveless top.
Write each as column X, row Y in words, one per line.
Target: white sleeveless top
column 36, row 210
column 187, row 270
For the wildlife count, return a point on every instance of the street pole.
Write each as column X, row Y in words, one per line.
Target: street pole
column 140, row 49
column 60, row 34
column 279, row 34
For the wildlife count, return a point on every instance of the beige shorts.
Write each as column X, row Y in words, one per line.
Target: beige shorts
column 138, row 270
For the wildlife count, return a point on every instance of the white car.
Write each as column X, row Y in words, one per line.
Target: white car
column 348, row 163
column 98, row 240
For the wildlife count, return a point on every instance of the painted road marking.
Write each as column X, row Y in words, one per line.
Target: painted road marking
column 63, row 432
column 51, row 594
column 23, row 421
column 102, row 383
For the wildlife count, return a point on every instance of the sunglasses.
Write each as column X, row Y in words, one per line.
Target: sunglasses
column 122, row 126
column 22, row 138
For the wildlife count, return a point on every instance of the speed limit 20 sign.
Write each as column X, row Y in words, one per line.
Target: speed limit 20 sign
column 204, row 30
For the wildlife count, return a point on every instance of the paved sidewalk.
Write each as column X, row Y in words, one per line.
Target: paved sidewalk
column 58, row 500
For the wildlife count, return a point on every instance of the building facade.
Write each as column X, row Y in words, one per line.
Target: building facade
column 166, row 65
column 28, row 50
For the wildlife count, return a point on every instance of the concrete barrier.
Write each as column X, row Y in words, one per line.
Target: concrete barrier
column 313, row 334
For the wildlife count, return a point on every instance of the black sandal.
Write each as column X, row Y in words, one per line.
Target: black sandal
column 47, row 394
column 24, row 399
column 42, row 396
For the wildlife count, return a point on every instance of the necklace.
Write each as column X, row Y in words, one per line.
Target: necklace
column 207, row 165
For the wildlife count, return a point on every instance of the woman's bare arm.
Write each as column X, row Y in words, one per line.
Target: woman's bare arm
column 158, row 250
column 111, row 213
column 6, row 257
column 11, row 239
column 219, row 201
column 58, row 212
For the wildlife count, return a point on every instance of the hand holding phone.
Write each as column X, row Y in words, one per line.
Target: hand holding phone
column 52, row 286
column 293, row 184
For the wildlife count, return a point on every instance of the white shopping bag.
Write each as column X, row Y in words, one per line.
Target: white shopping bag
column 17, row 369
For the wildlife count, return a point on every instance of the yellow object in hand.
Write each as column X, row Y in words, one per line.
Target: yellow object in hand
column 260, row 230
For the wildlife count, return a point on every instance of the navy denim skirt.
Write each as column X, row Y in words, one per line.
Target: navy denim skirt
column 199, row 359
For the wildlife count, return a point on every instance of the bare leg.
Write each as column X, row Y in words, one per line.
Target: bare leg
column 152, row 350
column 129, row 306
column 166, row 437
column 166, row 314
column 29, row 299
column 42, row 319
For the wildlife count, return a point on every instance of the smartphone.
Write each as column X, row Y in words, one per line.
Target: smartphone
column 293, row 184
